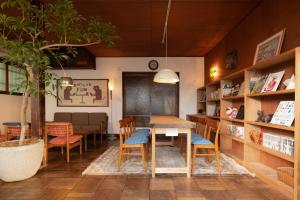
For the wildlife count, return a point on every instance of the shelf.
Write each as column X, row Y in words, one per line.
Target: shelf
column 271, row 151
column 269, row 125
column 214, row 117
column 234, row 155
column 284, row 57
column 212, row 100
column 233, row 138
column 274, row 93
column 269, row 175
column 233, row 97
column 232, row 120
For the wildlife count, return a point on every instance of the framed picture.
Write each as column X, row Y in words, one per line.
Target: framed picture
column 269, row 48
column 84, row 93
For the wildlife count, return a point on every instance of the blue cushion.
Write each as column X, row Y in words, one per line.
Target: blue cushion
column 144, row 132
column 193, row 135
column 137, row 139
column 14, row 123
column 197, row 139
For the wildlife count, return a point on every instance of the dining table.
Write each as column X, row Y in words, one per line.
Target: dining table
column 171, row 126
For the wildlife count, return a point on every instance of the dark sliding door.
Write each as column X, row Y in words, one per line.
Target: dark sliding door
column 143, row 98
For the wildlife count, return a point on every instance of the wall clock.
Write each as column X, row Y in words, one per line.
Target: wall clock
column 153, row 64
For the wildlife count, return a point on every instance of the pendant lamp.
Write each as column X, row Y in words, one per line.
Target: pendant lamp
column 166, row 75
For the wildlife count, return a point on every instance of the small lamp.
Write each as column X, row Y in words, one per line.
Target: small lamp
column 66, row 81
column 213, row 72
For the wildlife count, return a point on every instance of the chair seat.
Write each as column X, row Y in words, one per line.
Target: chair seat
column 193, row 135
column 60, row 140
column 144, row 132
column 137, row 139
column 197, row 139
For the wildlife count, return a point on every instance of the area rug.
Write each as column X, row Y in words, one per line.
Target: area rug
column 166, row 156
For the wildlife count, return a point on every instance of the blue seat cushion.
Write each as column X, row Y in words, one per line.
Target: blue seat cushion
column 194, row 135
column 144, row 132
column 197, row 139
column 137, row 139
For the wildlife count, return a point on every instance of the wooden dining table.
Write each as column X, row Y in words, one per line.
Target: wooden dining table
column 162, row 125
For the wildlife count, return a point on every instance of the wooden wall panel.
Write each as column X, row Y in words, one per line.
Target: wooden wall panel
column 267, row 19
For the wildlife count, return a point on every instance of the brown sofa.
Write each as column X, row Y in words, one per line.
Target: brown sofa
column 85, row 123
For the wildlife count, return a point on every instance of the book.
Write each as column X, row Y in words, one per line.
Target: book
column 284, row 114
column 272, row 81
column 240, row 113
column 211, row 109
column 257, row 88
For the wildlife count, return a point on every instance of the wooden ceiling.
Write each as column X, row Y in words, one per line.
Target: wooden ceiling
column 195, row 26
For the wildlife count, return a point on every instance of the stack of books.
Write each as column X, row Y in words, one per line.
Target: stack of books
column 236, row 131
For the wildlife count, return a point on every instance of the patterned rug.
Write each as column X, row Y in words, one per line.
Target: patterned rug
column 166, row 156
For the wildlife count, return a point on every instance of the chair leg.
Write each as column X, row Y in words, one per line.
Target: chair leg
column 80, row 147
column 218, row 161
column 143, row 158
column 194, row 159
column 68, row 154
column 120, row 158
column 94, row 137
column 207, row 156
column 62, row 151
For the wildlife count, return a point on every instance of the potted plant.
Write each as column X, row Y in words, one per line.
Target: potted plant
column 27, row 41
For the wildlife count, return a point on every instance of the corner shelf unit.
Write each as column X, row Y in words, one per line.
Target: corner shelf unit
column 261, row 160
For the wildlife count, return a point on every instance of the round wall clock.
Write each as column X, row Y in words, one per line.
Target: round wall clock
column 153, row 64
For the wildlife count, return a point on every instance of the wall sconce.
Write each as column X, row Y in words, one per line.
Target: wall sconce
column 110, row 88
column 213, row 72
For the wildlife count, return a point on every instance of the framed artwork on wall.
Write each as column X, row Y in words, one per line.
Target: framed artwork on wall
column 84, row 93
column 269, row 48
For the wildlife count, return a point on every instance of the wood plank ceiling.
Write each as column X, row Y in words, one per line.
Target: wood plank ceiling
column 195, row 26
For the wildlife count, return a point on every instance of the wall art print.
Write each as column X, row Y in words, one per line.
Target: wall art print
column 84, row 93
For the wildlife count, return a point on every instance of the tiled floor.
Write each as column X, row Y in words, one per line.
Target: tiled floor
column 60, row 180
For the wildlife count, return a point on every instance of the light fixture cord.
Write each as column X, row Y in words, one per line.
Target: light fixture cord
column 165, row 33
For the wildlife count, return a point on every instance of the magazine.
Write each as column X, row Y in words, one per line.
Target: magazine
column 284, row 114
column 273, row 81
column 259, row 84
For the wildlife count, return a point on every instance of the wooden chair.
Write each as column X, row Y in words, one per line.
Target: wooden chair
column 200, row 129
column 130, row 141
column 199, row 142
column 63, row 136
column 12, row 130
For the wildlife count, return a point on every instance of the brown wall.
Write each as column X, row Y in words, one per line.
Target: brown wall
column 267, row 19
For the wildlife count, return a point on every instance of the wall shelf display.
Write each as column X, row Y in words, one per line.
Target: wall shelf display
column 263, row 159
column 201, row 100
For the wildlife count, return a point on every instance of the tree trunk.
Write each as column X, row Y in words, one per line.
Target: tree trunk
column 25, row 101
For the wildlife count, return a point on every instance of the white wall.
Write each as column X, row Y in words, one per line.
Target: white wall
column 191, row 71
column 10, row 108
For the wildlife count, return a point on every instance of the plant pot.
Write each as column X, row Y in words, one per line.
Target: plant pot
column 20, row 162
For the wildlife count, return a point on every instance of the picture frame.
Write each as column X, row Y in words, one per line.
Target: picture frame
column 269, row 47
column 84, row 93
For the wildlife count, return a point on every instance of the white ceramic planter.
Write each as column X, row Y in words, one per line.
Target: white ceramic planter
column 22, row 162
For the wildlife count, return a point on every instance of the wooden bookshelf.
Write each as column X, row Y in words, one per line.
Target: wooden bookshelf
column 201, row 100
column 274, row 126
column 261, row 160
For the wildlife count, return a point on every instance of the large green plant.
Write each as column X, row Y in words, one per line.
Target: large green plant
column 29, row 38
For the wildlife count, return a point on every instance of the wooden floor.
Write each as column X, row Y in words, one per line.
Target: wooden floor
column 60, row 180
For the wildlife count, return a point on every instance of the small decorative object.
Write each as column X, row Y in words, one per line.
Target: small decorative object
column 231, row 59
column 269, row 48
column 213, row 72
column 256, row 136
column 286, row 175
column 284, row 114
column 227, row 89
column 272, row 81
column 215, row 95
column 84, row 93
column 153, row 64
column 290, row 83
column 261, row 117
column 231, row 112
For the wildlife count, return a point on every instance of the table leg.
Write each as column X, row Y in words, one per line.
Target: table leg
column 153, row 153
column 85, row 142
column 188, row 161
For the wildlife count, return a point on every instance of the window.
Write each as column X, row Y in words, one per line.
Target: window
column 10, row 76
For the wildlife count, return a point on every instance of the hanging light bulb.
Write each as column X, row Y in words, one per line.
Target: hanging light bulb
column 166, row 75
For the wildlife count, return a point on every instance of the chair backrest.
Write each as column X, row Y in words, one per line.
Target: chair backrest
column 213, row 126
column 132, row 123
column 201, row 127
column 58, row 128
column 124, row 129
